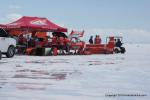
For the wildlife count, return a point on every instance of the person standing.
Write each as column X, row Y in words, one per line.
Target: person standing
column 61, row 44
column 91, row 40
column 97, row 39
column 118, row 43
column 28, row 40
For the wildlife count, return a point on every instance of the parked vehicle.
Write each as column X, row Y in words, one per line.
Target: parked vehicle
column 7, row 44
column 110, row 47
column 119, row 45
column 76, row 42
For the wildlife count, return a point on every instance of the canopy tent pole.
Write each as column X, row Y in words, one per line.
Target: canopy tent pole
column 27, row 31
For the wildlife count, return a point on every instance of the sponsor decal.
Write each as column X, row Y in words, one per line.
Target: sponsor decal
column 38, row 22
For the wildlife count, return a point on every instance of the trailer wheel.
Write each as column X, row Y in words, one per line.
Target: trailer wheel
column 10, row 52
column 0, row 55
column 123, row 50
column 116, row 50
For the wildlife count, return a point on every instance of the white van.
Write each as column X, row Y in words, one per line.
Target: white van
column 7, row 44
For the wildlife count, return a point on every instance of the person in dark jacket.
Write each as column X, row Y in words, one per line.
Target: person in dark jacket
column 91, row 40
column 118, row 43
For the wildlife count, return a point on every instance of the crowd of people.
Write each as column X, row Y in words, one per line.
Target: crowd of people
column 60, row 43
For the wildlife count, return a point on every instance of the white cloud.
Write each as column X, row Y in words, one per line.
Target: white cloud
column 13, row 16
column 14, row 7
column 9, row 18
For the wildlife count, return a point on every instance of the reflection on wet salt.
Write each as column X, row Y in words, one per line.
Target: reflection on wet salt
column 58, row 62
column 3, row 62
column 49, row 62
column 120, row 58
column 108, row 62
column 59, row 76
column 95, row 62
column 61, row 60
column 44, row 74
column 116, row 58
column 40, row 74
column 19, row 66
column 30, row 87
column 35, row 62
column 2, row 84
column 34, row 78
column 27, row 86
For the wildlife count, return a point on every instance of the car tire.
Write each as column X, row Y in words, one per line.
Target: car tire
column 10, row 52
column 123, row 50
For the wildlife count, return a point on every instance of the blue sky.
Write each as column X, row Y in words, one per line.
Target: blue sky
column 83, row 14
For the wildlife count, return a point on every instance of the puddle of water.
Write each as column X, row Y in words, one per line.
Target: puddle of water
column 102, row 63
column 35, row 62
column 110, row 63
column 50, row 62
column 19, row 66
column 3, row 78
column 59, row 76
column 61, row 59
column 33, row 86
column 58, row 62
column 3, row 62
column 39, row 72
column 2, row 84
column 44, row 74
column 94, row 62
column 30, row 87
column 30, row 76
column 27, row 74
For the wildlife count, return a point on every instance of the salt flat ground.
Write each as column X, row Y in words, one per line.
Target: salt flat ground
column 91, row 77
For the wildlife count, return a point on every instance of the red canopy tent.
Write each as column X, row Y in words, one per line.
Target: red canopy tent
column 34, row 24
column 2, row 26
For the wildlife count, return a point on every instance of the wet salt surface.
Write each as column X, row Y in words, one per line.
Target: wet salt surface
column 76, row 77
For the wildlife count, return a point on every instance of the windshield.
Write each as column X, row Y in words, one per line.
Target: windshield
column 3, row 33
